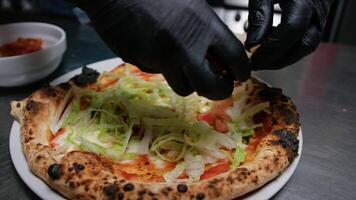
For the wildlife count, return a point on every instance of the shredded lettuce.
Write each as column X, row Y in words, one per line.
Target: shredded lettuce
column 169, row 147
column 143, row 147
column 238, row 157
column 135, row 116
column 253, row 110
column 194, row 166
column 172, row 175
column 73, row 115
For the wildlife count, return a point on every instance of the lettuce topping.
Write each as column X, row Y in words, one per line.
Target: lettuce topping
column 138, row 117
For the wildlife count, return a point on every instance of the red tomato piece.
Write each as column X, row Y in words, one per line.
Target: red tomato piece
column 207, row 116
column 221, row 126
column 215, row 170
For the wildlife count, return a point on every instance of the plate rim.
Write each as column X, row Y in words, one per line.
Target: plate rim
column 42, row 190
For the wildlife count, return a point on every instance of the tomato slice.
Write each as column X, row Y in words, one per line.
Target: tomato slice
column 127, row 176
column 217, row 116
column 144, row 75
column 221, row 106
column 184, row 175
column 221, row 126
column 216, row 170
column 260, row 132
column 106, row 81
column 207, row 116
column 52, row 140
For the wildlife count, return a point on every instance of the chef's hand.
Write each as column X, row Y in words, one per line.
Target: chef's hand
column 182, row 39
column 298, row 34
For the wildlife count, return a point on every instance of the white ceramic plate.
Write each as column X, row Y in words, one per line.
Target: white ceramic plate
column 45, row 192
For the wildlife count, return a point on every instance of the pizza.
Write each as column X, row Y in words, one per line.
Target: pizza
column 124, row 134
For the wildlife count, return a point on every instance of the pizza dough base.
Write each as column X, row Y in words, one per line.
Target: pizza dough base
column 96, row 178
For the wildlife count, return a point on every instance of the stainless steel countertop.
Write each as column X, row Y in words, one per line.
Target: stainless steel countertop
column 323, row 86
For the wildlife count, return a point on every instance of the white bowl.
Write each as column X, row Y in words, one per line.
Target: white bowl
column 27, row 68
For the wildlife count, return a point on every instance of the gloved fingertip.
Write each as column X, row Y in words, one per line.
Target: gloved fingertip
column 177, row 81
column 260, row 22
column 260, row 61
column 180, row 89
column 218, row 93
column 245, row 75
column 252, row 40
column 183, row 93
column 207, row 81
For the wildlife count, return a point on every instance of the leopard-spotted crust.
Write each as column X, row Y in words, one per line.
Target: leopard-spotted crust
column 83, row 175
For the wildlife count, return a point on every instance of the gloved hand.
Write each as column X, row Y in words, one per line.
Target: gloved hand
column 300, row 31
column 182, row 39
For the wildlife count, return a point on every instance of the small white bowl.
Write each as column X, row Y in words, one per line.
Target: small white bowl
column 27, row 68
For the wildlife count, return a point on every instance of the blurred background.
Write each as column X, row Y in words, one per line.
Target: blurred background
column 340, row 27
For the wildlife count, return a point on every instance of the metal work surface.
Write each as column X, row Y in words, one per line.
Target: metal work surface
column 323, row 86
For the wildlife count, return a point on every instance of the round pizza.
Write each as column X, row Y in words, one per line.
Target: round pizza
column 124, row 134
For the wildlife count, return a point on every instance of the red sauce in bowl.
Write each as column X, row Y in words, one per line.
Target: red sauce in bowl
column 21, row 46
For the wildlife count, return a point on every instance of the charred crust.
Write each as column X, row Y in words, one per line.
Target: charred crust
column 64, row 86
column 39, row 157
column 151, row 194
column 230, row 180
column 55, row 171
column 27, row 139
column 141, row 192
column 270, row 94
column 288, row 140
column 215, row 181
column 31, row 105
column 46, row 85
column 285, row 99
column 111, row 190
column 87, row 76
column 242, row 175
column 255, row 180
column 67, row 180
column 275, row 160
column 166, row 190
column 274, row 121
column 200, row 196
column 120, row 195
column 182, row 188
column 49, row 92
column 78, row 167
column 72, row 184
column 288, row 115
column 128, row 187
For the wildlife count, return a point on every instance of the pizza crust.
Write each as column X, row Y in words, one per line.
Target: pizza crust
column 83, row 175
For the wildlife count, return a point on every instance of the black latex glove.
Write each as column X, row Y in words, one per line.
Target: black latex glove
column 182, row 39
column 300, row 31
